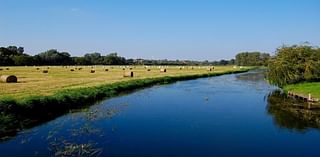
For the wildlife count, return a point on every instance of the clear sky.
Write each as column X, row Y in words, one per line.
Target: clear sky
column 158, row 29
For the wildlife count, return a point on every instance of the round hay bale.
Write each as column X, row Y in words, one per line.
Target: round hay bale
column 130, row 68
column 1, row 69
column 163, row 70
column 209, row 69
column 92, row 71
column 38, row 68
column 123, row 69
column 79, row 68
column 45, row 71
column 71, row 69
column 128, row 74
column 106, row 69
column 149, row 70
column 8, row 79
column 7, row 68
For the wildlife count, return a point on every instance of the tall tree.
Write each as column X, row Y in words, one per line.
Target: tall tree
column 252, row 59
column 93, row 58
column 53, row 57
column 114, row 59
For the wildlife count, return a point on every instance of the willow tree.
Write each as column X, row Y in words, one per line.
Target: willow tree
column 294, row 64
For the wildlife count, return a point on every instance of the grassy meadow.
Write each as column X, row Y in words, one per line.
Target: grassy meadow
column 305, row 88
column 33, row 82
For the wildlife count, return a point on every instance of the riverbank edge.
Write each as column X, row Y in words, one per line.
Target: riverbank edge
column 46, row 107
column 307, row 87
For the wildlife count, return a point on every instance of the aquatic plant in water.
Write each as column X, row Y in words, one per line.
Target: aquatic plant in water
column 63, row 148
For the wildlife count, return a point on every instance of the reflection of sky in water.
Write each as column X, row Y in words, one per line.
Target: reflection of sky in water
column 218, row 116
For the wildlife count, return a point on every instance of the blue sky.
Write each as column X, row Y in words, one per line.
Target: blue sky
column 158, row 29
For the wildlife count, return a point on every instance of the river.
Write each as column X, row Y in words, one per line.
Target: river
column 228, row 115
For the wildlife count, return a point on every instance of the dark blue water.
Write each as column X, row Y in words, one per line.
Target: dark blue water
column 218, row 116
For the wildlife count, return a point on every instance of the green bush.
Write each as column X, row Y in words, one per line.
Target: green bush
column 294, row 64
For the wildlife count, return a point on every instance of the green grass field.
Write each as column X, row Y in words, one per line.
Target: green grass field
column 305, row 88
column 32, row 82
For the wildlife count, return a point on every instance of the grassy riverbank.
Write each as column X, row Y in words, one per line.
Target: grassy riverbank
column 305, row 88
column 23, row 112
column 33, row 82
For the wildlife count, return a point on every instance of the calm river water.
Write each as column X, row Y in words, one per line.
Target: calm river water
column 219, row 116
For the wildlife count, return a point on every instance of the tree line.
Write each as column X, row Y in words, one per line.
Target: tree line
column 290, row 64
column 252, row 59
column 15, row 56
column 293, row 64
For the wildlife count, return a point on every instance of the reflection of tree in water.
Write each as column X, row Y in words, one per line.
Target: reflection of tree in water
column 254, row 79
column 256, row 75
column 292, row 114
